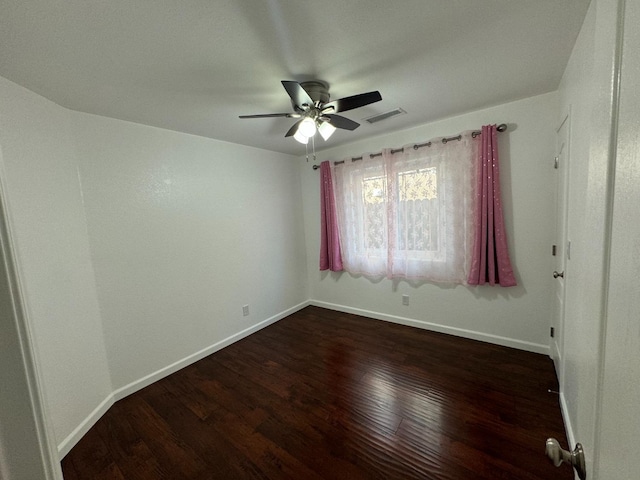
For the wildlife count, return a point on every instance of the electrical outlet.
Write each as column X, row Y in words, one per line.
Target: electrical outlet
column 245, row 310
column 405, row 299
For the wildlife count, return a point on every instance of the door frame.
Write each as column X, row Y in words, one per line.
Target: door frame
column 27, row 446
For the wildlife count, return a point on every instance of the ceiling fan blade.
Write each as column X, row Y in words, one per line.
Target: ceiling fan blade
column 292, row 131
column 355, row 101
column 298, row 95
column 269, row 115
column 339, row 121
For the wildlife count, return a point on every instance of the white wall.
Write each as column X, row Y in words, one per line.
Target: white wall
column 44, row 204
column 184, row 231
column 516, row 316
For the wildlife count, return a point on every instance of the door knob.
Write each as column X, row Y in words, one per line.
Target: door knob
column 556, row 274
column 558, row 455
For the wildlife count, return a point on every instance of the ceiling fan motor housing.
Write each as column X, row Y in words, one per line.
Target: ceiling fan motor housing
column 317, row 90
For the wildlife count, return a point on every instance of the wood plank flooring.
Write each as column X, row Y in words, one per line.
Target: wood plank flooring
column 327, row 395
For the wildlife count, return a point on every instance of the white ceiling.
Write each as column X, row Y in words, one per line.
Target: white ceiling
column 195, row 65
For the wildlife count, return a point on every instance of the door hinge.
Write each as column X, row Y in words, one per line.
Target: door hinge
column 552, row 332
column 554, row 250
column 556, row 162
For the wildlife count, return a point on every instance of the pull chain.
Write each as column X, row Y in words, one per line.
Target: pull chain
column 313, row 145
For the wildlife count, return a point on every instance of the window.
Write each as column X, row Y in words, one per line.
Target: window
column 418, row 229
column 407, row 214
column 374, row 201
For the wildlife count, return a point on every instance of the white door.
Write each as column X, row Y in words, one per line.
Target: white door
column 618, row 425
column 560, row 249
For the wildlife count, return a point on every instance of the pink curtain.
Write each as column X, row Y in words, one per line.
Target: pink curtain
column 490, row 261
column 330, row 256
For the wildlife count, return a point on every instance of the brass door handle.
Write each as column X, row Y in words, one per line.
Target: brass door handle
column 558, row 455
column 556, row 274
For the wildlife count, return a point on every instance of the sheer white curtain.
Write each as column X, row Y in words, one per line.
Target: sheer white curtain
column 408, row 213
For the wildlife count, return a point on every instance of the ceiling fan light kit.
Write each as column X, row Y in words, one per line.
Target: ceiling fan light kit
column 326, row 130
column 307, row 127
column 301, row 138
column 311, row 103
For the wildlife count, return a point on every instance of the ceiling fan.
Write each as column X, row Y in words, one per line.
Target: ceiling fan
column 310, row 101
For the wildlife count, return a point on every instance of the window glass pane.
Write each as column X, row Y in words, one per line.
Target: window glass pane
column 418, row 213
column 419, row 184
column 374, row 199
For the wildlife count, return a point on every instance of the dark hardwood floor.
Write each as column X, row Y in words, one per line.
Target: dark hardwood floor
column 327, row 395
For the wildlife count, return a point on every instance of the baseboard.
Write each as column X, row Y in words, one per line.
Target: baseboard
column 68, row 443
column 567, row 420
column 80, row 431
column 459, row 332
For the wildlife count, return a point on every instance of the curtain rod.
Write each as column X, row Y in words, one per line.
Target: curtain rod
column 501, row 128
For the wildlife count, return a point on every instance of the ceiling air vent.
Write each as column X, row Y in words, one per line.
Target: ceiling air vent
column 385, row 116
